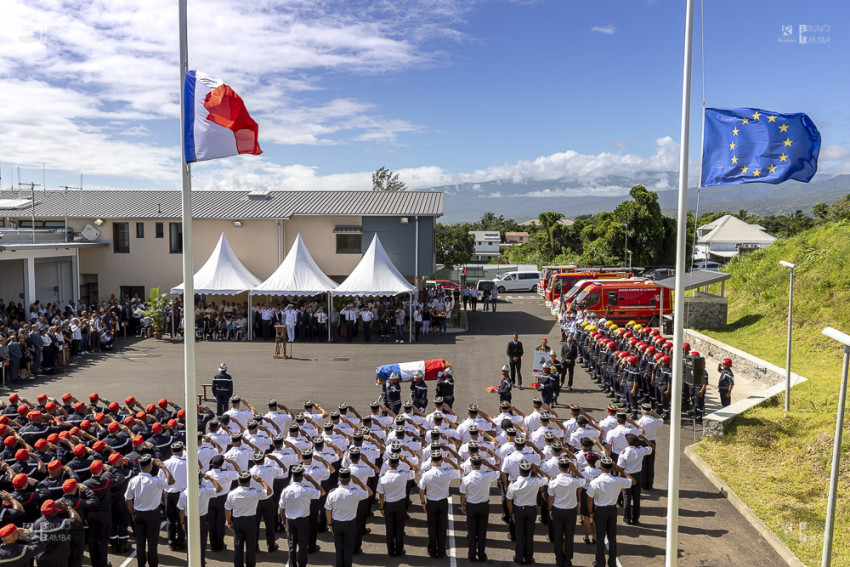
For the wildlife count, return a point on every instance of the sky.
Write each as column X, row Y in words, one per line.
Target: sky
column 440, row 91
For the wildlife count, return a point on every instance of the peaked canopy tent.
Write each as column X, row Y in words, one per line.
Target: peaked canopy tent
column 376, row 275
column 222, row 274
column 298, row 275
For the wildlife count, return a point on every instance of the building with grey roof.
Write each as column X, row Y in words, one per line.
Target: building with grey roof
column 88, row 245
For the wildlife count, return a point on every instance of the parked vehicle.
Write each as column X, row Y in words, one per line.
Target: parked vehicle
column 484, row 285
column 621, row 302
column 564, row 282
column 547, row 273
column 518, row 281
column 569, row 296
column 445, row 284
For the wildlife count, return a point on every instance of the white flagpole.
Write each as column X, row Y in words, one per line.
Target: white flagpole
column 672, row 547
column 191, row 404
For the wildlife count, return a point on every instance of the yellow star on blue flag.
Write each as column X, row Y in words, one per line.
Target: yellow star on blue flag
column 750, row 145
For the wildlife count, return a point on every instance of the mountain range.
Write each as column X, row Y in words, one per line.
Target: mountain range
column 524, row 200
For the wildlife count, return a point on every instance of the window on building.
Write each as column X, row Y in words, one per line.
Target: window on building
column 175, row 237
column 121, row 237
column 349, row 243
column 159, row 230
column 140, row 230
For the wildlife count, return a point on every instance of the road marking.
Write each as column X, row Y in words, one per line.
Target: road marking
column 452, row 553
column 606, row 549
column 133, row 554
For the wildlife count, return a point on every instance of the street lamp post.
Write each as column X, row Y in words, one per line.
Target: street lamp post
column 629, row 252
column 791, row 267
column 625, row 241
column 826, row 559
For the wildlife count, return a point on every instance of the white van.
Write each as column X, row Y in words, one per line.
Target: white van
column 518, row 281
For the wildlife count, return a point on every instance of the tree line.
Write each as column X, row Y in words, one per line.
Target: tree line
column 636, row 225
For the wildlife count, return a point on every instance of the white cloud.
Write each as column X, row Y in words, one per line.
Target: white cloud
column 607, row 29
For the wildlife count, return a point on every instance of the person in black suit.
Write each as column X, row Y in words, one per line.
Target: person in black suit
column 569, row 353
column 515, row 353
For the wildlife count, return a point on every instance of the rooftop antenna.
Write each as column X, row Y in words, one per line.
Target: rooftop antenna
column 20, row 192
column 66, row 187
column 32, row 202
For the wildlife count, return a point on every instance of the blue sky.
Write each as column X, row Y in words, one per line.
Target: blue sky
column 441, row 91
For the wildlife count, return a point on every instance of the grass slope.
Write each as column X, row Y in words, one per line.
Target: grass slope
column 780, row 464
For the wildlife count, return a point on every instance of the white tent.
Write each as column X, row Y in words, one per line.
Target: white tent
column 374, row 275
column 223, row 274
column 297, row 275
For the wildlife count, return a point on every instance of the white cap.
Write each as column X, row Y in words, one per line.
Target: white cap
column 222, row 366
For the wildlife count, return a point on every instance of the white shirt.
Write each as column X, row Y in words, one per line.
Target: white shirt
column 523, row 491
column 476, row 485
column 240, row 415
column 242, row 501
column 260, row 439
column 564, row 488
column 436, row 483
column 650, row 425
column 343, row 500
column 224, row 478
column 241, row 455
column 605, row 488
column 362, row 471
column 608, row 423
column 206, row 492
column 268, row 473
column 532, row 421
column 280, row 419
column 510, row 466
column 145, row 491
column 617, row 438
column 177, row 467
column 575, row 438
column 317, row 471
column 295, row 500
column 631, row 458
column 393, row 484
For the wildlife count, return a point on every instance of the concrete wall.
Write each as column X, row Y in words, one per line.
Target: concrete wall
column 399, row 240
column 705, row 311
column 318, row 235
column 11, row 280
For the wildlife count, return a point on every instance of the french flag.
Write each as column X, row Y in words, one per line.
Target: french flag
column 216, row 122
column 431, row 369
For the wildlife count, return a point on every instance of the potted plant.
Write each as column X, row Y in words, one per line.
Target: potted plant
column 157, row 302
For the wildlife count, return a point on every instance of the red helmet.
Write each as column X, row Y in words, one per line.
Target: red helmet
column 727, row 362
column 641, row 346
column 629, row 334
column 633, row 340
column 694, row 353
column 632, row 359
column 686, row 346
column 665, row 359
column 668, row 344
column 650, row 350
column 658, row 355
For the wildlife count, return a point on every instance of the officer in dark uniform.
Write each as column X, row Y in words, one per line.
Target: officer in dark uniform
column 15, row 551
column 515, row 353
column 547, row 385
column 79, row 498
column 99, row 516
column 55, row 533
column 419, row 391
column 222, row 389
column 121, row 473
column 393, row 393
column 504, row 388
column 726, row 382
column 569, row 354
column 446, row 387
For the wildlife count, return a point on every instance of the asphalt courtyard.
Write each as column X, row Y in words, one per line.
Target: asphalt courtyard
column 711, row 531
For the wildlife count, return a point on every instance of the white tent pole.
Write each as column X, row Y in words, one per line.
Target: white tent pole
column 193, row 518
column 250, row 318
column 330, row 312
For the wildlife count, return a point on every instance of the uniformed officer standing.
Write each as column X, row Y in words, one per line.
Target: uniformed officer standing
column 434, row 496
column 393, row 395
column 54, row 533
column 216, row 519
column 392, row 496
column 16, row 552
column 240, row 511
column 726, row 382
column 475, row 503
column 295, row 512
column 143, row 496
column 419, row 391
column 266, row 512
column 505, row 386
column 99, row 516
column 176, row 465
column 631, row 461
column 649, row 422
column 602, row 496
column 222, row 389
column 446, row 387
column 563, row 503
column 522, row 506
column 206, row 491
column 341, row 512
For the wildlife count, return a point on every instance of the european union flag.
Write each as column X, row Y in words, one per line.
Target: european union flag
column 748, row 145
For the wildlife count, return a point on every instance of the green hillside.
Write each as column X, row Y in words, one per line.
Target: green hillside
column 780, row 464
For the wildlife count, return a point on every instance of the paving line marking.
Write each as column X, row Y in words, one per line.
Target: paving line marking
column 133, row 555
column 451, row 551
column 606, row 549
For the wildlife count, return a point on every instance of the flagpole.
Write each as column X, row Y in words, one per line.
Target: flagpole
column 672, row 546
column 191, row 405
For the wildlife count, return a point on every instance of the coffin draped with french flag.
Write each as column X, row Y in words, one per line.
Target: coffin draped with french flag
column 217, row 124
column 431, row 369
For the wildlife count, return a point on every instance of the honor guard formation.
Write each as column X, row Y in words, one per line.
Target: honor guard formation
column 82, row 476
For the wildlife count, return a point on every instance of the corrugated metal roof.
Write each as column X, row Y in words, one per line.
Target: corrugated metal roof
column 696, row 279
column 110, row 204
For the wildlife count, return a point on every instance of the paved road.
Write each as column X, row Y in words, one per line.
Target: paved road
column 711, row 531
